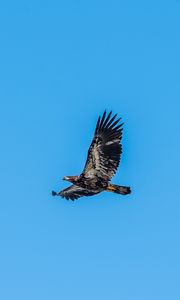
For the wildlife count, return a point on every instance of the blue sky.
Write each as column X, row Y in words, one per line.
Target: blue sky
column 63, row 63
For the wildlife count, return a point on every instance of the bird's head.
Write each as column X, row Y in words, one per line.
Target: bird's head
column 72, row 179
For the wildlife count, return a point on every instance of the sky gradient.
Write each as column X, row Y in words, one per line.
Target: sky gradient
column 62, row 63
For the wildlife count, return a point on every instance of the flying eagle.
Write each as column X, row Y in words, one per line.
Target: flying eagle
column 101, row 164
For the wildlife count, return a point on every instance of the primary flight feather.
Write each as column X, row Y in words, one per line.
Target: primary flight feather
column 102, row 162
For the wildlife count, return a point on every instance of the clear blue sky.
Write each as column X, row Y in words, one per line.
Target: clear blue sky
column 61, row 64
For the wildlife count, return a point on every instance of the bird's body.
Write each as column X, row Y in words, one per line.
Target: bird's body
column 101, row 164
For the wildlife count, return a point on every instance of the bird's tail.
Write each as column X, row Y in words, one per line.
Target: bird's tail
column 123, row 190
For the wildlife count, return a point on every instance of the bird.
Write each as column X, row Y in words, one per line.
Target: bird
column 102, row 162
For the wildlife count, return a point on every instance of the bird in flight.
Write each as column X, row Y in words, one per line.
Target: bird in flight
column 102, row 162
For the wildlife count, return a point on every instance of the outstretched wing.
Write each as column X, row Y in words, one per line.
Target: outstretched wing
column 105, row 150
column 74, row 192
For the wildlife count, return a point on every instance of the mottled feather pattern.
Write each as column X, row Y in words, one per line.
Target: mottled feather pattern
column 102, row 162
column 74, row 192
column 104, row 152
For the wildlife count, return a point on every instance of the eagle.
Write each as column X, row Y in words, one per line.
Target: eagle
column 102, row 162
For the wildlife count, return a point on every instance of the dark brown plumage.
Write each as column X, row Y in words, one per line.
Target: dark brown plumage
column 102, row 162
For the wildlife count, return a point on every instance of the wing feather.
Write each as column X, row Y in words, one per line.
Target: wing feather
column 105, row 150
column 74, row 192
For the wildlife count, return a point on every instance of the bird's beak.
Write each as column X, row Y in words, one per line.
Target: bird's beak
column 66, row 178
column 70, row 178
